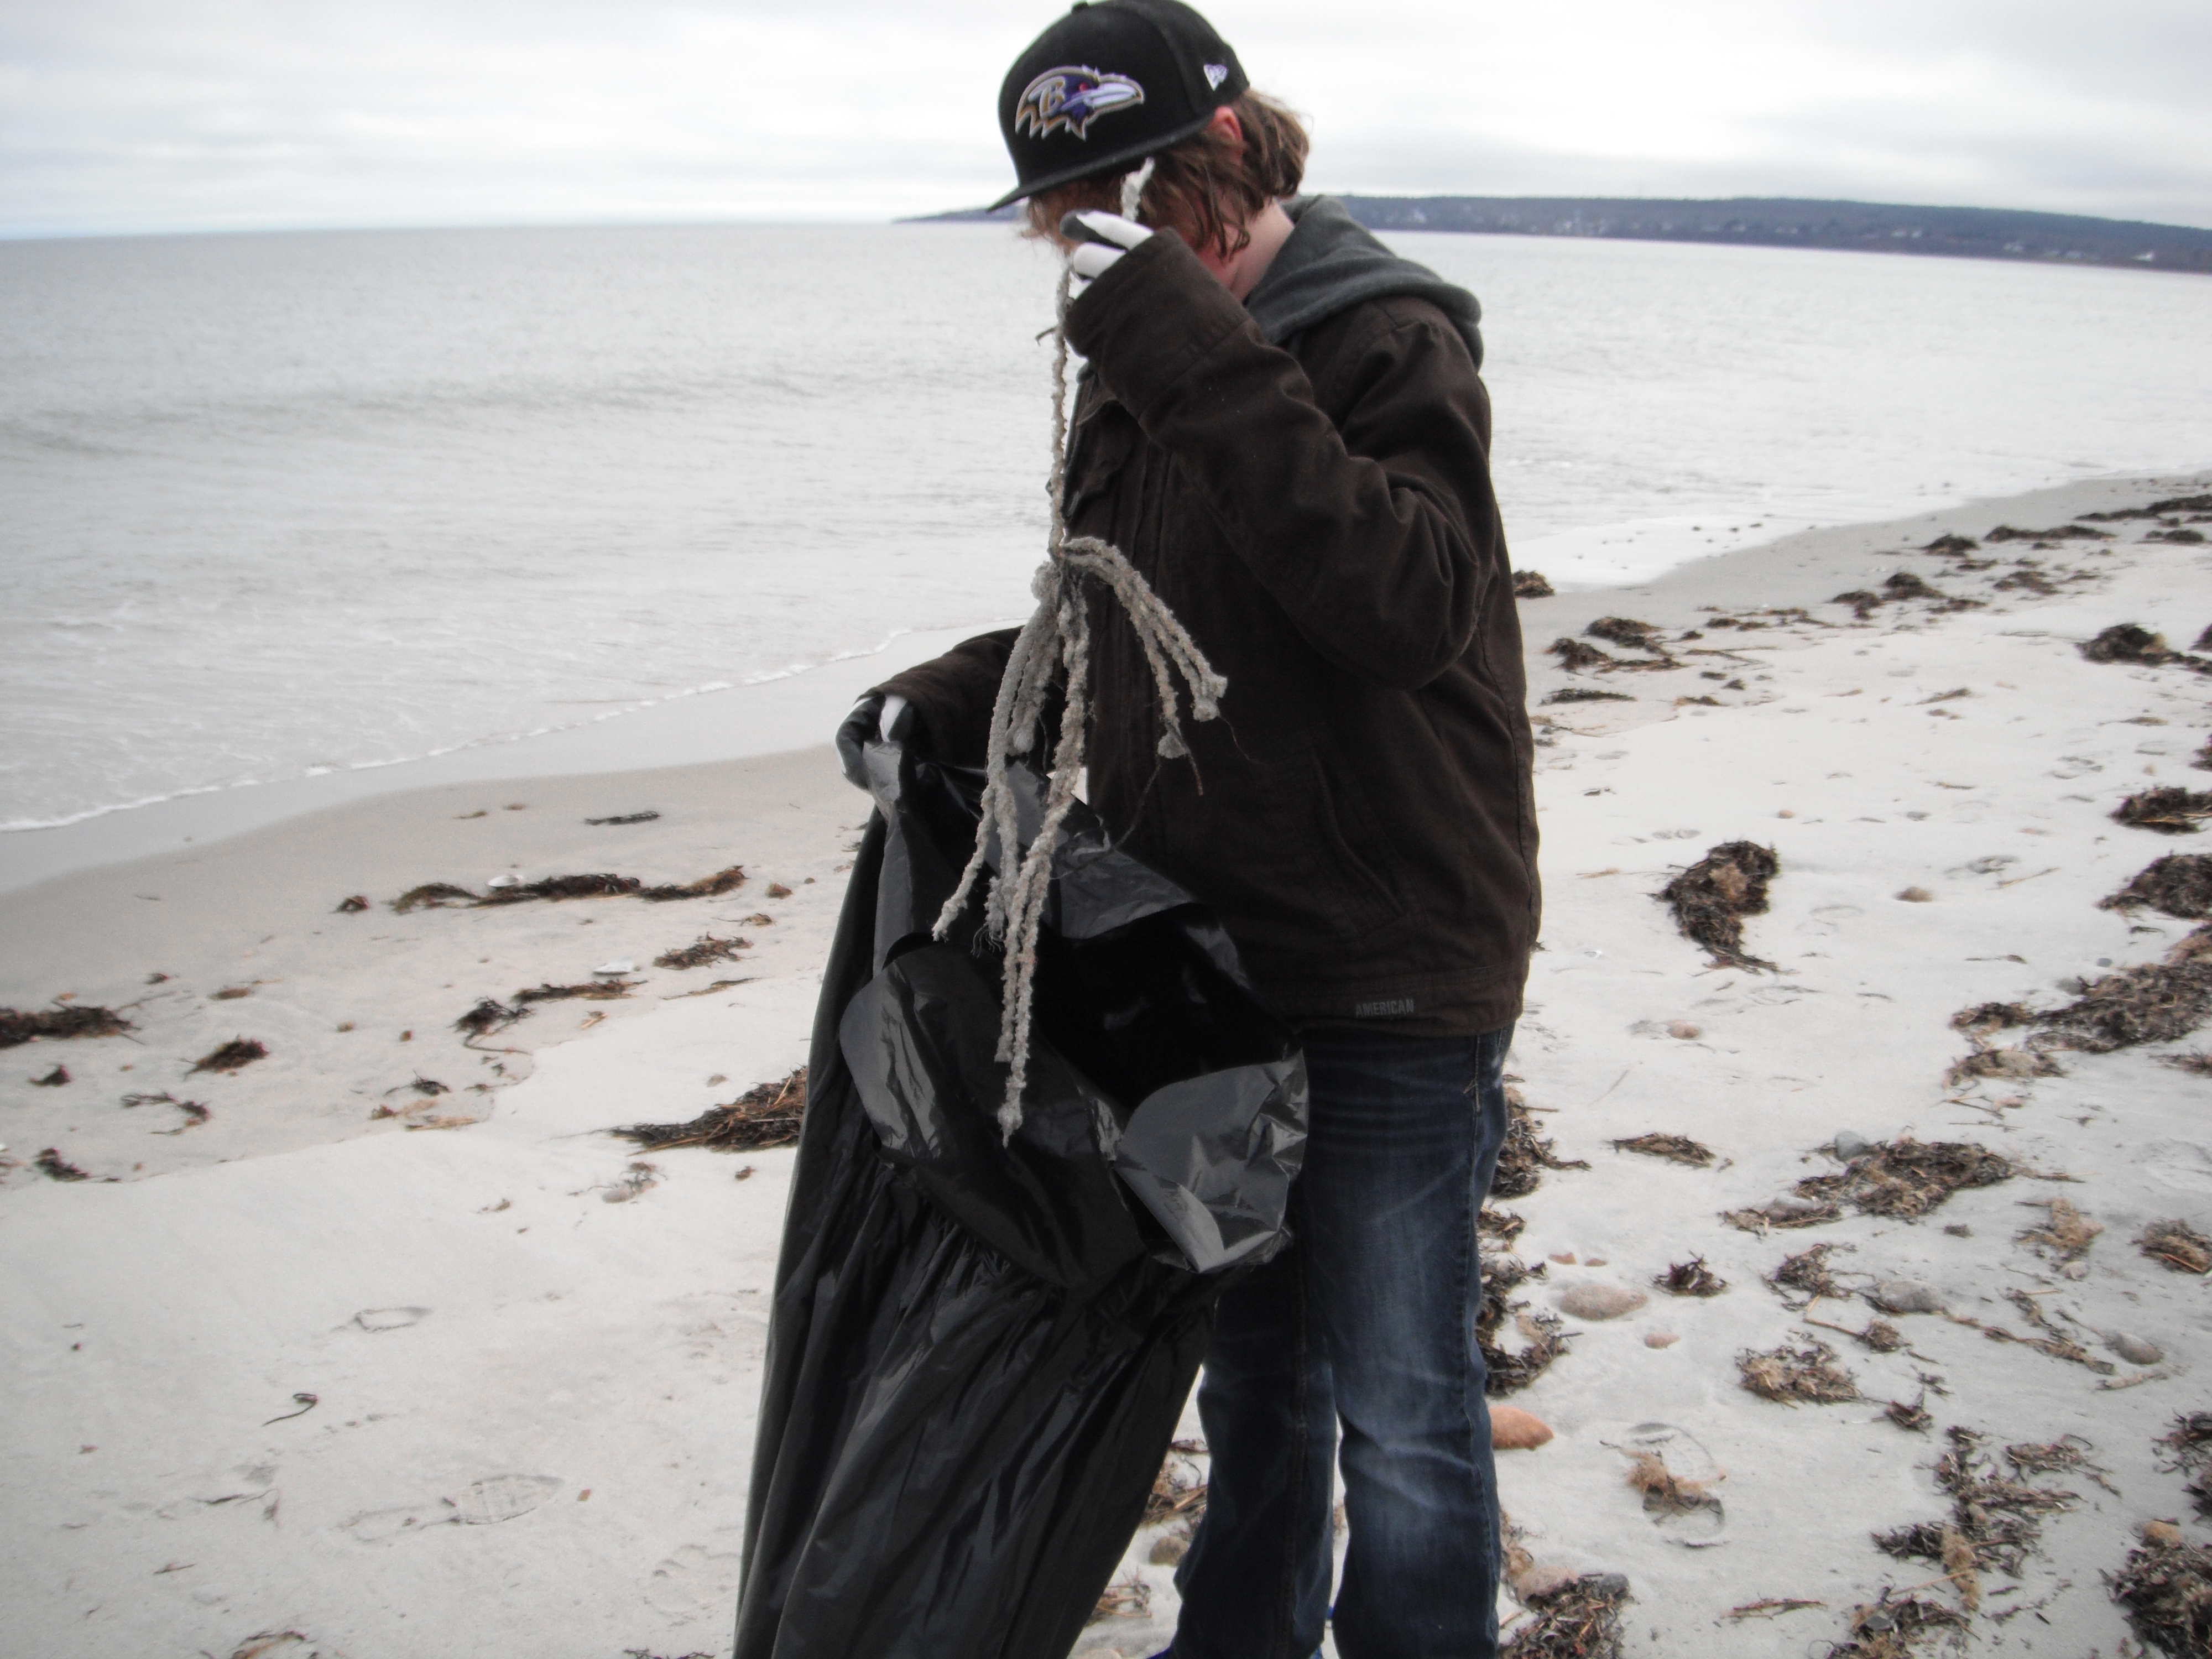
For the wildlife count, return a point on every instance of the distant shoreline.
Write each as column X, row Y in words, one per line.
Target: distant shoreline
column 1765, row 222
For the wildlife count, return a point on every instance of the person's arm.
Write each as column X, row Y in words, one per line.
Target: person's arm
column 952, row 696
column 1376, row 538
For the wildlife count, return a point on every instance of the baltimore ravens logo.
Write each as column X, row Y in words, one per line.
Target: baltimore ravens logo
column 1069, row 99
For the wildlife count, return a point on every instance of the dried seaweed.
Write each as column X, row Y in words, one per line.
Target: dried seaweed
column 56, row 1079
column 1995, row 1520
column 2005, row 532
column 195, row 1112
column 1905, row 1179
column 2053, row 1341
column 1131, row 1598
column 1712, row 897
column 647, row 817
column 1806, row 1274
column 1914, row 1418
column 1984, row 1017
column 63, row 1020
column 1574, row 656
column 595, row 990
column 489, row 1016
column 2027, row 579
column 1804, row 1371
column 431, row 895
column 1501, row 1224
column 1178, row 1492
column 722, row 881
column 1951, row 546
column 1580, row 1619
column 2166, row 1585
column 1587, row 694
column 2178, row 1245
column 2129, row 642
column 1627, row 631
column 1860, row 600
column 764, row 1116
column 1906, row 586
column 2197, row 1063
column 1897, row 1629
column 353, row 906
column 1525, row 1155
column 2188, row 1446
column 2152, row 1002
column 2170, row 810
column 233, row 1056
column 2179, row 884
column 702, row 951
column 1784, row 1213
column 2067, row 1234
column 601, row 886
column 1665, row 1492
column 1531, row 585
column 1678, row 1148
column 1985, row 1062
column 1691, row 1278
column 50, row 1162
column 1543, row 1334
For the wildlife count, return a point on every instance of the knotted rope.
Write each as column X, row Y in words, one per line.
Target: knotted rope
column 1058, row 635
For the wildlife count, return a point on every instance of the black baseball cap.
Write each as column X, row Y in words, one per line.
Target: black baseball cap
column 1113, row 81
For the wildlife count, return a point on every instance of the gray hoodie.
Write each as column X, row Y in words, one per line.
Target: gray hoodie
column 1333, row 261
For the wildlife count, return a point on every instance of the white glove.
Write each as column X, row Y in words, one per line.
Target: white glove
column 1101, row 238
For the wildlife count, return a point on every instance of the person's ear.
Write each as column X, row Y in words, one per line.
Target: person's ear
column 1226, row 126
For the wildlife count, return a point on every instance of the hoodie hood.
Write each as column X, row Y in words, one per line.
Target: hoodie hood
column 1332, row 262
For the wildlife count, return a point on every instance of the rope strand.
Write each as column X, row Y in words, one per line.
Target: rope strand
column 1057, row 636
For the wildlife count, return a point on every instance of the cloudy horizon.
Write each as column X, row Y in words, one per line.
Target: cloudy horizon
column 123, row 117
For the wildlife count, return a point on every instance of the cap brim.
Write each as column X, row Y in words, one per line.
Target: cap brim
column 1112, row 160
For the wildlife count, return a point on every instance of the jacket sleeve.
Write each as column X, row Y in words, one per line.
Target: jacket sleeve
column 1376, row 537
column 953, row 696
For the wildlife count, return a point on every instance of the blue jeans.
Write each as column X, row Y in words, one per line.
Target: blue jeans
column 1368, row 1320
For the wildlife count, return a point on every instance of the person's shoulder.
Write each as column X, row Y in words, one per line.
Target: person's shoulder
column 1391, row 330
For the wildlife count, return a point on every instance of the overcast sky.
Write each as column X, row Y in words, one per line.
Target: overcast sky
column 138, row 115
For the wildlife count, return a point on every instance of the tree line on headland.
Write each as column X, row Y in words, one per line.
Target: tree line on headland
column 1864, row 226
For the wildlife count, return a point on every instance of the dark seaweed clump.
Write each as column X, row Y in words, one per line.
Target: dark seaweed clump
column 19, row 1026
column 1581, row 1619
column 1531, row 585
column 1677, row 1149
column 2190, row 1448
column 2129, row 642
column 1691, row 1278
column 627, row 818
column 2005, row 532
column 1587, row 694
column 1575, row 656
column 50, row 1162
column 2170, row 810
column 595, row 990
column 1627, row 631
column 2166, row 1585
column 1526, row 1155
column 233, row 1056
column 2178, row 885
column 701, row 952
column 563, row 887
column 762, row 1118
column 437, row 894
column 1712, row 897
column 1951, row 546
column 1905, row 1179
column 2154, row 1002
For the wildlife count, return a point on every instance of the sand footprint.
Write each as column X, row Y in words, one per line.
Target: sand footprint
column 1676, row 1476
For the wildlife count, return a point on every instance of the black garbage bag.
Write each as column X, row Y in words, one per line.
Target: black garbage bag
column 980, row 1348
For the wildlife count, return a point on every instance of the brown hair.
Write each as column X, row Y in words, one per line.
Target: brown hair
column 1202, row 188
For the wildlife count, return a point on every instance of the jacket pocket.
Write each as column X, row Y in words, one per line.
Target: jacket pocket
column 1307, row 864
column 1098, row 449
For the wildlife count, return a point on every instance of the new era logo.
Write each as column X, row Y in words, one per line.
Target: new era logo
column 1215, row 75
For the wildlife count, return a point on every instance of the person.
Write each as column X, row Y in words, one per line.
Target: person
column 1281, row 423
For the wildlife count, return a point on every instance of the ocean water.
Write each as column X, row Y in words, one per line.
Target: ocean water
column 276, row 504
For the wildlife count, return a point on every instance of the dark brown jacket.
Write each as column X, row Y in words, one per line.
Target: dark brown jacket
column 1318, row 514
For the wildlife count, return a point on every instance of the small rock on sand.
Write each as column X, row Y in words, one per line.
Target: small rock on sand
column 1601, row 1301
column 1538, row 1582
column 1660, row 1340
column 1684, row 1029
column 2134, row 1349
column 1849, row 1145
column 1917, row 896
column 1564, row 1258
column 1790, row 1204
column 1512, row 1429
column 1906, row 1295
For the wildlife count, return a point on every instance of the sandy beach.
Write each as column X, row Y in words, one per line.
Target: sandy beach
column 376, row 1344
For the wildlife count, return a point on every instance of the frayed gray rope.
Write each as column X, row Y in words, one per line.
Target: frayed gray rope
column 1059, row 634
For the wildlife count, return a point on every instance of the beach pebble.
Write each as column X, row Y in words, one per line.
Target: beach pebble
column 507, row 880
column 1168, row 1549
column 2164, row 1533
column 1601, row 1301
column 1512, row 1429
column 1684, row 1029
column 1564, row 1258
column 1607, row 1585
column 1906, row 1295
column 2134, row 1349
column 1849, row 1145
column 1790, row 1205
column 1538, row 1582
column 1660, row 1340
column 619, row 965
column 1917, row 896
